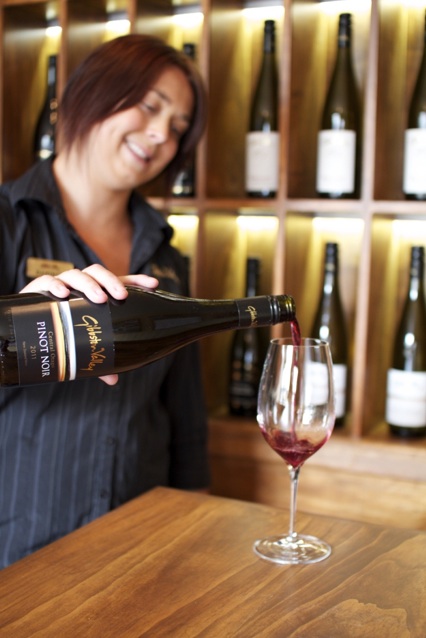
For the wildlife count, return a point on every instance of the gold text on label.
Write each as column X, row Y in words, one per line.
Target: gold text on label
column 253, row 314
column 94, row 332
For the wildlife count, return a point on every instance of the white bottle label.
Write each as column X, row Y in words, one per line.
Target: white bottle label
column 406, row 398
column 339, row 378
column 414, row 176
column 336, row 161
column 262, row 161
column 316, row 386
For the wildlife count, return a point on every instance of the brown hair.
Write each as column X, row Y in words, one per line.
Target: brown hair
column 115, row 77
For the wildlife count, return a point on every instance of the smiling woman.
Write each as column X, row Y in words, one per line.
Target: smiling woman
column 134, row 108
column 108, row 82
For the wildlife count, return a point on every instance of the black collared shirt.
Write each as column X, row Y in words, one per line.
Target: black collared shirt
column 72, row 451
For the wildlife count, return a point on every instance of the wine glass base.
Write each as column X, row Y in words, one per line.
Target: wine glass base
column 292, row 550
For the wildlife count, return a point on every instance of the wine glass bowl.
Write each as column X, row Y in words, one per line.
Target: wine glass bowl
column 296, row 416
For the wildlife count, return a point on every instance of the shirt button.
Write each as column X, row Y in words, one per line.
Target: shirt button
column 111, row 440
column 104, row 494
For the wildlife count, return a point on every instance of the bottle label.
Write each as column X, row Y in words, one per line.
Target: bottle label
column 64, row 340
column 316, row 383
column 262, row 161
column 406, row 398
column 414, row 175
column 339, row 378
column 336, row 161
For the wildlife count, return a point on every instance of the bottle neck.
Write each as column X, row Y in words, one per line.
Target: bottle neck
column 269, row 41
column 330, row 275
column 265, row 310
column 344, row 31
column 416, row 286
column 252, row 283
column 344, row 39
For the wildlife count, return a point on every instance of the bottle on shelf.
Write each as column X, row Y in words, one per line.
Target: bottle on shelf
column 405, row 410
column 262, row 138
column 44, row 339
column 184, row 184
column 338, row 138
column 329, row 324
column 246, row 357
column 414, row 170
column 44, row 136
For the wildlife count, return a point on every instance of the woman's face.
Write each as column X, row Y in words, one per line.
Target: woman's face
column 133, row 146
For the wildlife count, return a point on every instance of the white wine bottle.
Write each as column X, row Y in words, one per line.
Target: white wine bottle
column 406, row 379
column 338, row 138
column 44, row 339
column 330, row 325
column 184, row 184
column 262, row 138
column 414, row 171
column 44, row 137
column 246, row 357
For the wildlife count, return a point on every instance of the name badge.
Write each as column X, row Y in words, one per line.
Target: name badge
column 37, row 267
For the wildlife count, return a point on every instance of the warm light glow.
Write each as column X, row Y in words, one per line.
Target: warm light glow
column 121, row 26
column 257, row 223
column 256, row 14
column 53, row 31
column 410, row 230
column 333, row 7
column 188, row 20
column 183, row 222
column 418, row 4
column 338, row 225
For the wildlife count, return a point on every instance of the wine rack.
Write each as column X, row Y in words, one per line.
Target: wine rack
column 220, row 227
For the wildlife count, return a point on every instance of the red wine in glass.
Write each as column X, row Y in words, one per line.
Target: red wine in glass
column 296, row 415
column 294, row 451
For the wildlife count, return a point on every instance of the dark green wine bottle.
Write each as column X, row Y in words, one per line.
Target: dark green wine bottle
column 45, row 133
column 406, row 380
column 414, row 173
column 330, row 325
column 44, row 339
column 338, row 138
column 184, row 184
column 263, row 139
column 246, row 357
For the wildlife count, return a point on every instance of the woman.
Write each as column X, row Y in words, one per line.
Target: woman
column 72, row 451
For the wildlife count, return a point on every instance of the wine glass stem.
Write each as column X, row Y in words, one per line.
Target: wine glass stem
column 294, row 481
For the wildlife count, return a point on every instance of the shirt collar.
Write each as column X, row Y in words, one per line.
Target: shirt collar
column 38, row 183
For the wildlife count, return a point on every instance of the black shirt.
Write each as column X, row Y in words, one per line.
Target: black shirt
column 72, row 451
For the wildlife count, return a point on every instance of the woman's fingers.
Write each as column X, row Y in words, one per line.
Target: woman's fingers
column 143, row 281
column 48, row 283
column 109, row 379
column 95, row 282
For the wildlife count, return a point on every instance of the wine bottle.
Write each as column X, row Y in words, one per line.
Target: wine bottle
column 44, row 137
column 414, row 171
column 406, row 379
column 262, row 139
column 184, row 184
column 246, row 357
column 329, row 325
column 338, row 137
column 44, row 339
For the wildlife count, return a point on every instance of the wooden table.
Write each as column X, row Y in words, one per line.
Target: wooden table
column 176, row 564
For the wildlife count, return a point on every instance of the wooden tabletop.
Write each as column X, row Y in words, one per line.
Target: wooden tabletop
column 178, row 564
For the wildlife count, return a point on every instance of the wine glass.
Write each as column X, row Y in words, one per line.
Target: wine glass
column 296, row 416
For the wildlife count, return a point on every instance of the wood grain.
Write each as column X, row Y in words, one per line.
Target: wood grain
column 181, row 564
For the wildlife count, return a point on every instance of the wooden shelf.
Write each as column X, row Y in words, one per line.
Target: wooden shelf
column 374, row 253
column 376, row 478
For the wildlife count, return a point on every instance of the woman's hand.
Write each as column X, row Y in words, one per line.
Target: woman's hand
column 94, row 282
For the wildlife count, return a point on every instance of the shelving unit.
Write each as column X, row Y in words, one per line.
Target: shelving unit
column 220, row 227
